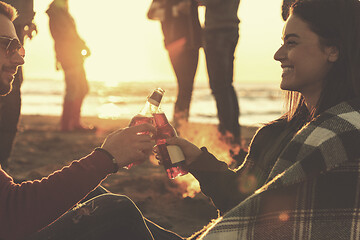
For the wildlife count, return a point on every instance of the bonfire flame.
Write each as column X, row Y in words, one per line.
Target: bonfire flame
column 192, row 186
column 201, row 135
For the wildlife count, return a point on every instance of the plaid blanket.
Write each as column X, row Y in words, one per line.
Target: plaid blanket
column 314, row 191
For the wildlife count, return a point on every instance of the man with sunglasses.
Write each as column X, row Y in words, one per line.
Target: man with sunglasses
column 31, row 206
column 11, row 58
column 10, row 105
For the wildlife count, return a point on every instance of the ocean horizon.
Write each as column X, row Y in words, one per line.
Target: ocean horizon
column 259, row 102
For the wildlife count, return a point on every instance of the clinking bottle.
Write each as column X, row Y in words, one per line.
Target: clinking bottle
column 146, row 113
column 172, row 156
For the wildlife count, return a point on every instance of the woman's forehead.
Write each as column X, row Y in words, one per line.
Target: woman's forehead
column 295, row 26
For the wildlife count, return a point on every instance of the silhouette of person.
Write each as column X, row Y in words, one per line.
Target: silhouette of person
column 221, row 34
column 10, row 105
column 182, row 38
column 71, row 51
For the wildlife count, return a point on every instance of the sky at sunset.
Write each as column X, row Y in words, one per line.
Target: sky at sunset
column 126, row 46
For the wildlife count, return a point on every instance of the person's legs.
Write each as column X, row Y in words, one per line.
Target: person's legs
column 66, row 121
column 107, row 216
column 66, row 116
column 184, row 64
column 100, row 190
column 76, row 88
column 160, row 233
column 81, row 89
column 219, row 51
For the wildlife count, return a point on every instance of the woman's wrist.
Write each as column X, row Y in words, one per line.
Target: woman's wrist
column 194, row 158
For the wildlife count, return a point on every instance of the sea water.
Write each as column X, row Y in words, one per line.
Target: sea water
column 259, row 102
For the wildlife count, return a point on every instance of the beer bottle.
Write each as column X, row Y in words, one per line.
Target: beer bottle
column 146, row 113
column 172, row 157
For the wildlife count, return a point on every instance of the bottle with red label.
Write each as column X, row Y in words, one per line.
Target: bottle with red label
column 172, row 156
column 146, row 113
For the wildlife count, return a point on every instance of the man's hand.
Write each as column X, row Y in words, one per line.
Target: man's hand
column 128, row 146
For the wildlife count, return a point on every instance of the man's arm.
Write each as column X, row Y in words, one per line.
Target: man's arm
column 28, row 207
column 35, row 204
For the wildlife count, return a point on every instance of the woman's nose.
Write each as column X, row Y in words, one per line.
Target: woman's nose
column 280, row 54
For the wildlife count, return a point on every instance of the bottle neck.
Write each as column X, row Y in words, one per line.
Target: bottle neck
column 149, row 109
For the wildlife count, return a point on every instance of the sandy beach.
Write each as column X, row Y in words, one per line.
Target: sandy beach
column 40, row 148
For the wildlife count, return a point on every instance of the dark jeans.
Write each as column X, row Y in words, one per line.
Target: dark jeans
column 76, row 85
column 106, row 216
column 184, row 64
column 219, row 49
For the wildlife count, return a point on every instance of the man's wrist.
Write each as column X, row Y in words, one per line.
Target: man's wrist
column 110, row 156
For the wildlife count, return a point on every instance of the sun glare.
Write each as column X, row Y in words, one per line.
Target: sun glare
column 84, row 52
column 126, row 46
column 109, row 111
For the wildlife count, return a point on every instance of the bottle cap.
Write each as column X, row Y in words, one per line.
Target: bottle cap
column 156, row 96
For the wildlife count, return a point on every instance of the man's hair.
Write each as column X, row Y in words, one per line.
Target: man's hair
column 337, row 23
column 8, row 11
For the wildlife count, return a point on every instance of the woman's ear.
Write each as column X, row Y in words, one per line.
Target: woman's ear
column 333, row 53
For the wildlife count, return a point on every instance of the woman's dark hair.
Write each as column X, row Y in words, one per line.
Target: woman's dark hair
column 337, row 23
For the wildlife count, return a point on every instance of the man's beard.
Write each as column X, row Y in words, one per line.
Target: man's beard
column 5, row 88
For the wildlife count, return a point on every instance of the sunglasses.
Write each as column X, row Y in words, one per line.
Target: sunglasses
column 12, row 45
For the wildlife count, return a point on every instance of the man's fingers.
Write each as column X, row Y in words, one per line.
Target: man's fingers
column 146, row 127
column 146, row 146
column 144, row 138
column 155, row 149
column 140, row 155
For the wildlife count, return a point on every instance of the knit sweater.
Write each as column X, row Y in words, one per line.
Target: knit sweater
column 28, row 207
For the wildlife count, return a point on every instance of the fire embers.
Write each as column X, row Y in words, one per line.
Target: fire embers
column 247, row 183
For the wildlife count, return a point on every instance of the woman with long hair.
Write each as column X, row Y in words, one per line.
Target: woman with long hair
column 301, row 178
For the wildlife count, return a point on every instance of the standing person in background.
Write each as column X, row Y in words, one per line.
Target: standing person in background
column 10, row 105
column 221, row 36
column 71, row 51
column 182, row 37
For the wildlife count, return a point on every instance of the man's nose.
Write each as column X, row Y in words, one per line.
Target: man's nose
column 17, row 59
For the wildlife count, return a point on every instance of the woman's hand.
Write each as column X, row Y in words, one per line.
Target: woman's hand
column 127, row 145
column 190, row 151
